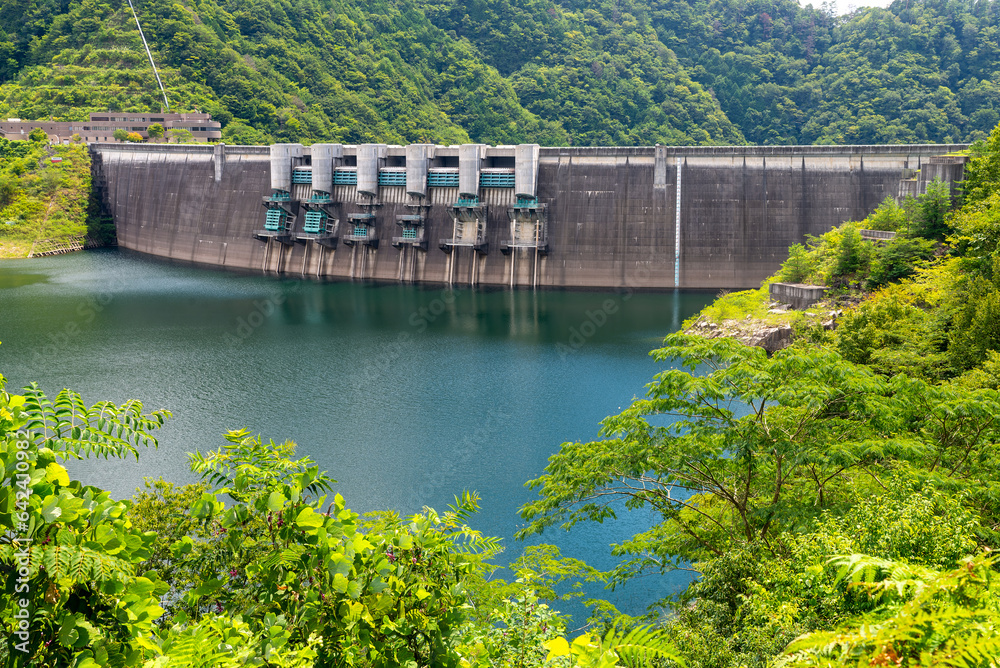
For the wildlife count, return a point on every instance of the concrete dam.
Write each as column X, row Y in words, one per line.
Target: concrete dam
column 518, row 216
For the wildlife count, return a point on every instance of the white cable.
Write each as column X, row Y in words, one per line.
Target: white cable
column 148, row 53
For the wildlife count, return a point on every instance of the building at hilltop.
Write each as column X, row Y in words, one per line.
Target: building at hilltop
column 102, row 125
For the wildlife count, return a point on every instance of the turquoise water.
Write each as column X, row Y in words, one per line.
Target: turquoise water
column 406, row 395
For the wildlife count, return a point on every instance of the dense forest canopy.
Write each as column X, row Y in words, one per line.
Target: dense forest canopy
column 556, row 72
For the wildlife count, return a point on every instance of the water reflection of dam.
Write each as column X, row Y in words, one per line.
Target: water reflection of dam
column 626, row 218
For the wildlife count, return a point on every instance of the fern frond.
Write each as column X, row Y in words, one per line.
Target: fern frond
column 70, row 429
column 72, row 562
column 641, row 645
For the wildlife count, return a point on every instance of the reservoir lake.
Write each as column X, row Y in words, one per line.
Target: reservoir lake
column 407, row 395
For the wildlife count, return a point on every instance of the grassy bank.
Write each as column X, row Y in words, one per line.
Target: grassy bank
column 45, row 195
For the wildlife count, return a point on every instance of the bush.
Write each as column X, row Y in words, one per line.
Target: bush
column 852, row 253
column 977, row 235
column 897, row 260
column 889, row 217
column 931, row 215
column 10, row 186
column 798, row 267
column 893, row 336
column 244, row 135
column 976, row 329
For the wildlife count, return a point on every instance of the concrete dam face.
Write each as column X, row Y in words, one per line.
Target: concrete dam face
column 639, row 218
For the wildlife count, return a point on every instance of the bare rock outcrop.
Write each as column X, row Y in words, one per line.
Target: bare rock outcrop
column 771, row 336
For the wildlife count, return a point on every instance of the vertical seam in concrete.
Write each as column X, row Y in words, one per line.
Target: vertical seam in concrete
column 677, row 226
column 765, row 229
column 861, row 186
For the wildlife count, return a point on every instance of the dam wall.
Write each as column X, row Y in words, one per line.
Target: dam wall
column 642, row 217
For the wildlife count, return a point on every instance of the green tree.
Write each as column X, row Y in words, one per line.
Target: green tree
column 155, row 131
column 38, row 136
column 10, row 186
column 120, row 134
column 931, row 220
column 896, row 260
column 283, row 573
column 888, row 216
column 976, row 328
column 891, row 335
column 754, row 446
column 716, row 474
column 852, row 256
column 241, row 134
column 982, row 173
column 798, row 267
column 180, row 135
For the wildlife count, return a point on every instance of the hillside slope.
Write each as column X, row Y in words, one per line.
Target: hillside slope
column 556, row 72
column 291, row 70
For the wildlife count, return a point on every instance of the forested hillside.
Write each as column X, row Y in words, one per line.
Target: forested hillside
column 581, row 72
column 917, row 72
column 295, row 70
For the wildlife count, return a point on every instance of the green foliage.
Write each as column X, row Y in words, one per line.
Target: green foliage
column 38, row 136
column 40, row 199
column 737, row 305
column 932, row 212
column 244, row 135
column 786, row 73
column 10, row 188
column 935, row 618
column 977, row 235
column 888, row 216
column 155, row 131
column 638, row 647
column 516, row 632
column 161, row 509
column 750, row 474
column 599, row 70
column 505, row 71
column 976, row 329
column 852, row 255
column 921, row 525
column 982, row 173
column 832, row 259
column 392, row 597
column 892, row 335
column 180, row 136
column 334, row 70
column 120, row 134
column 298, row 582
column 750, row 603
column 760, row 467
column 798, row 267
column 896, row 260
column 68, row 554
column 842, row 258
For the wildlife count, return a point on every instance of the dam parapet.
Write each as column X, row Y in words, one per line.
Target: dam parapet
column 606, row 217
